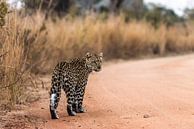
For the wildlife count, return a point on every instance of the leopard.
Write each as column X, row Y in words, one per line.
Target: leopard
column 72, row 76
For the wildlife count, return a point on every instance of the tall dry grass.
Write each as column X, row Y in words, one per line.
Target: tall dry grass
column 14, row 75
column 67, row 38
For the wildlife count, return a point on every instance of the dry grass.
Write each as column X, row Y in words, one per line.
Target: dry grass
column 67, row 38
column 27, row 48
column 14, row 75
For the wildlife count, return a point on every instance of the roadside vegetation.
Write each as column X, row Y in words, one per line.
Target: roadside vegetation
column 33, row 44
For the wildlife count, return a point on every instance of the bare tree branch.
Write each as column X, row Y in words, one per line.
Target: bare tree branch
column 3, row 54
column 20, row 76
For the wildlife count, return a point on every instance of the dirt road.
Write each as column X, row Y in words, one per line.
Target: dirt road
column 145, row 94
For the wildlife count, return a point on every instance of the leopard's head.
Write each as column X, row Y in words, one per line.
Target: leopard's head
column 94, row 61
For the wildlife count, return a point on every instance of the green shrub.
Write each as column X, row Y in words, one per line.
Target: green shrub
column 3, row 12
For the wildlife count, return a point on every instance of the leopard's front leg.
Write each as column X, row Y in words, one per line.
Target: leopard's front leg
column 69, row 89
column 80, row 91
column 80, row 101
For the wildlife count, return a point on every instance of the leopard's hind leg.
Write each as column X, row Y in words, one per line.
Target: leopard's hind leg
column 55, row 94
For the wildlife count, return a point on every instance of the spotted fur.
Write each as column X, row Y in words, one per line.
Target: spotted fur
column 72, row 77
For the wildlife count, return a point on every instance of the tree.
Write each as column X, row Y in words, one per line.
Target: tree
column 159, row 14
column 189, row 13
column 49, row 5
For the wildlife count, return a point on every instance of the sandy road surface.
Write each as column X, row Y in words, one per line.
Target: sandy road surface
column 146, row 94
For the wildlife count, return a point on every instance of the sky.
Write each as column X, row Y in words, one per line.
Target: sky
column 177, row 5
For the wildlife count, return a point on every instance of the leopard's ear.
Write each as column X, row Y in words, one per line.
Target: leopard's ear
column 101, row 55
